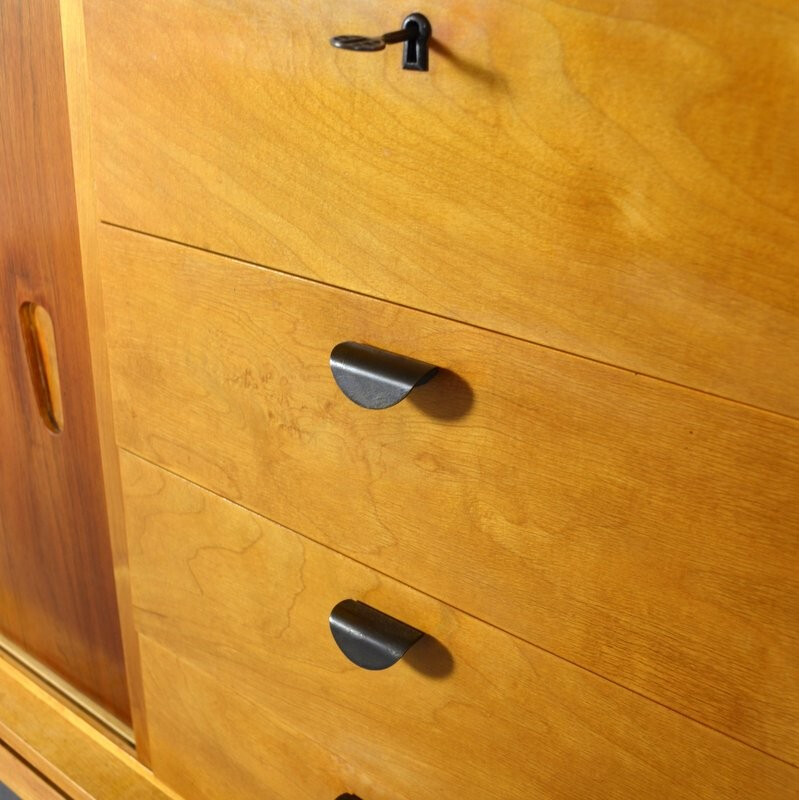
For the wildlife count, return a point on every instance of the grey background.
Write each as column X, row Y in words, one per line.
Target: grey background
column 6, row 793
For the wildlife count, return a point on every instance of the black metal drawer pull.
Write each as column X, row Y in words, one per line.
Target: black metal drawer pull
column 348, row 797
column 415, row 35
column 368, row 637
column 375, row 378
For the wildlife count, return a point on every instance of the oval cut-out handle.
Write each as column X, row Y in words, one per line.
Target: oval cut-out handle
column 40, row 345
column 368, row 637
column 375, row 378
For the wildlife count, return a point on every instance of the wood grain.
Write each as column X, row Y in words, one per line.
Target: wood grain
column 643, row 531
column 57, row 596
column 74, row 43
column 66, row 693
column 609, row 178
column 211, row 741
column 22, row 780
column 66, row 749
column 469, row 713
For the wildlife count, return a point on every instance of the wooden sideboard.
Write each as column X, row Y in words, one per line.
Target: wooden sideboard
column 584, row 215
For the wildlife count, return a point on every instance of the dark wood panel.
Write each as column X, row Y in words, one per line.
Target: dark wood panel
column 57, row 595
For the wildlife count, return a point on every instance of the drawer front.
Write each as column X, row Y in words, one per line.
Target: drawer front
column 211, row 742
column 246, row 687
column 640, row 530
column 610, row 178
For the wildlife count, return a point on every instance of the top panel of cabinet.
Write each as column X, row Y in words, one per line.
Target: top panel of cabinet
column 613, row 179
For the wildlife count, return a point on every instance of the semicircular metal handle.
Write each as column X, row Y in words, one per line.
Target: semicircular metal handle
column 375, row 378
column 368, row 637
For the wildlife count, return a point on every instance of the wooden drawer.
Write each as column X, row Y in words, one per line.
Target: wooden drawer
column 615, row 179
column 210, row 740
column 641, row 530
column 248, row 695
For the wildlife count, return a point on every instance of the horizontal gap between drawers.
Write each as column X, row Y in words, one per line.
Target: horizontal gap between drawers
column 454, row 319
column 450, row 605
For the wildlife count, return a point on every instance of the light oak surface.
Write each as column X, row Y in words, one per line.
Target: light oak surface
column 211, row 742
column 74, row 44
column 469, row 712
column 57, row 593
column 640, row 530
column 614, row 179
column 66, row 749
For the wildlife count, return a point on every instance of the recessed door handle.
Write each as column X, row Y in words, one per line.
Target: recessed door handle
column 368, row 637
column 415, row 35
column 375, row 378
column 40, row 343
